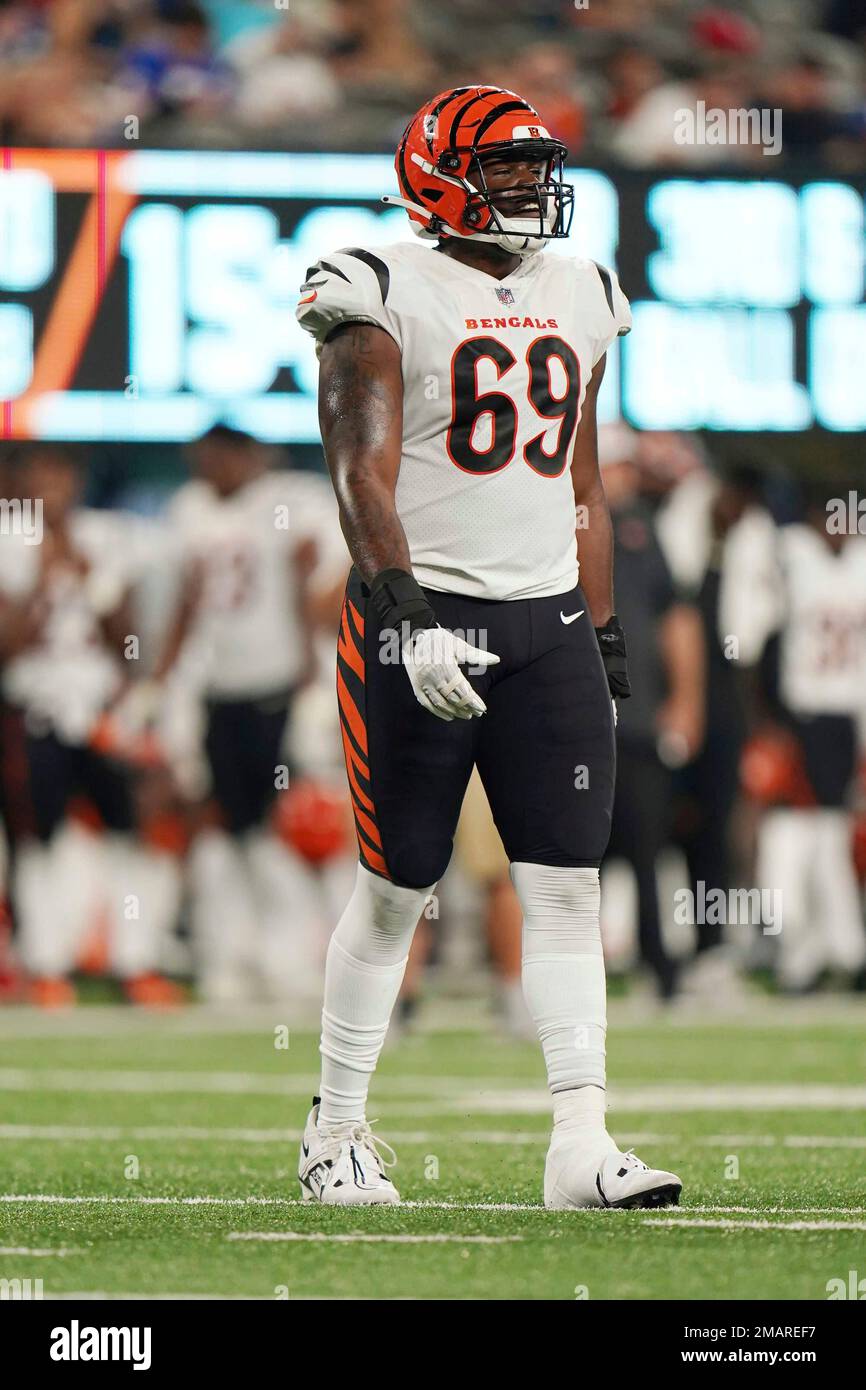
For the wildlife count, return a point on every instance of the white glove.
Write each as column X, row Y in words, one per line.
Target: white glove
column 431, row 657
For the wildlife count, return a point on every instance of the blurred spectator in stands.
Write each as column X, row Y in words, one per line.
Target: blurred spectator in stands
column 813, row 115
column 648, row 135
column 632, row 73
column 172, row 68
column 546, row 74
column 23, row 30
column 283, row 75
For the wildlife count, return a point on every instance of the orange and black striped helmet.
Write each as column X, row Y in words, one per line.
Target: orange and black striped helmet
column 440, row 171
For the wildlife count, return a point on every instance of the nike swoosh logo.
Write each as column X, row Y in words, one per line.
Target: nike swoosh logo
column 305, row 1149
column 572, row 617
column 310, row 298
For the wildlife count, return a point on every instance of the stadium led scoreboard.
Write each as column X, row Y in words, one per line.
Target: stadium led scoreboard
column 145, row 294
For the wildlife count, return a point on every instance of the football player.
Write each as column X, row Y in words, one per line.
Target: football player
column 814, row 668
column 457, row 394
column 66, row 614
column 242, row 633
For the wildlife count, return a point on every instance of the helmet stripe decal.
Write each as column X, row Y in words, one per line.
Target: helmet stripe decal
column 440, row 107
column 401, row 161
column 467, row 106
column 493, row 117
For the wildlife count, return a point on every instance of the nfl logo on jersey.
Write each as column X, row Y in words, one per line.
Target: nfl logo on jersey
column 505, row 296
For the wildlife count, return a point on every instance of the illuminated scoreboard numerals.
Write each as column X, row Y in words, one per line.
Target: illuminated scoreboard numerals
column 723, row 369
column 152, row 243
column 833, row 278
column 230, row 350
column 200, row 311
column 16, row 350
column 26, row 261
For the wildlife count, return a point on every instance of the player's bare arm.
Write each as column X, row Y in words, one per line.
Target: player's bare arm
column 361, row 418
column 595, row 537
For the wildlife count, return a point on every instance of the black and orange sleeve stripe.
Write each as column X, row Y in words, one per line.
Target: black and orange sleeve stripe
column 351, row 697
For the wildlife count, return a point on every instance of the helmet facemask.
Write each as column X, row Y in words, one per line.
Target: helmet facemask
column 550, row 201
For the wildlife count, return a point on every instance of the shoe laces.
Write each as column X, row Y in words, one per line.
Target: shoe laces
column 632, row 1159
column 360, row 1133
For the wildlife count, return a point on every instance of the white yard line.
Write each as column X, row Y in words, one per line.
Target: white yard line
column 110, row 1199
column 59, row 1134
column 363, row 1237
column 448, row 1095
column 28, row 1250
column 722, row 1225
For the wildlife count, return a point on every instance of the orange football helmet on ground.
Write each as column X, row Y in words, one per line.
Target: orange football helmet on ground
column 440, row 171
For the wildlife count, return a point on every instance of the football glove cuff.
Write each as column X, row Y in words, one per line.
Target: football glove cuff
column 397, row 598
column 611, row 641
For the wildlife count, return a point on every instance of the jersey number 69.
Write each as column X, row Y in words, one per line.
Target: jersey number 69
column 468, row 406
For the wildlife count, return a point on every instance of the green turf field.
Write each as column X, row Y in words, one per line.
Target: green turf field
column 160, row 1158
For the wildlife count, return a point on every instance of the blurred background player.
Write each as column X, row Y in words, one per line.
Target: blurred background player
column 662, row 726
column 242, row 636
column 814, row 678
column 65, row 625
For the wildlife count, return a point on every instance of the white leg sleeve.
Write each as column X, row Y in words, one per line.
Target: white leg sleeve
column 786, row 847
column 144, row 892
column 563, row 970
column 837, row 891
column 365, row 964
column 44, row 942
column 222, row 915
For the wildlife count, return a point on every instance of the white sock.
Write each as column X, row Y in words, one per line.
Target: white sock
column 365, row 964
column 565, row 990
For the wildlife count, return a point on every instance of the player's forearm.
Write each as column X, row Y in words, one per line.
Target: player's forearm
column 361, row 416
column 371, row 526
column 595, row 552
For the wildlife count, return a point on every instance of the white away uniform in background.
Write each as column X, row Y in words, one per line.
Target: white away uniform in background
column 64, row 680
column 822, row 685
column 251, row 908
column 823, row 628
column 247, row 640
column 494, row 377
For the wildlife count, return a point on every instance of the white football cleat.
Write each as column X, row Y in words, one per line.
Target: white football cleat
column 341, row 1165
column 619, row 1180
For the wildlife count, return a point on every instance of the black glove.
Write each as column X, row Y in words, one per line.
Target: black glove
column 611, row 641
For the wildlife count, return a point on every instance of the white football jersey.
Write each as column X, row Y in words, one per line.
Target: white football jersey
column 823, row 636
column 494, row 378
column 68, row 675
column 247, row 638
